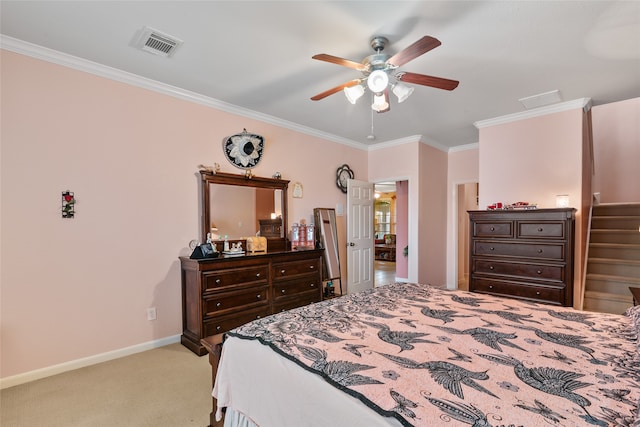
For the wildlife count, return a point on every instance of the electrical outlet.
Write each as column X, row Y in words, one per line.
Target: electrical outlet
column 151, row 313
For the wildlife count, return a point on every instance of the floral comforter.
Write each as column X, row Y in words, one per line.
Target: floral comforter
column 429, row 356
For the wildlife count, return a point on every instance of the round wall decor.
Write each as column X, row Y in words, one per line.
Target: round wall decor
column 343, row 173
column 243, row 150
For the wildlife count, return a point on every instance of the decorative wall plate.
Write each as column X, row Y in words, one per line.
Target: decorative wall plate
column 243, row 150
column 343, row 173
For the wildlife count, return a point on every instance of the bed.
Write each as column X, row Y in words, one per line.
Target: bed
column 416, row 355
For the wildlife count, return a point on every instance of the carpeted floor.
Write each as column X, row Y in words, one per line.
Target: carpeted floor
column 165, row 387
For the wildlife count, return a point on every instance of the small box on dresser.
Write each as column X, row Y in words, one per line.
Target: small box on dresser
column 524, row 254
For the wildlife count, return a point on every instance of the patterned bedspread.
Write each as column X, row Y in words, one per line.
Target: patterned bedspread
column 429, row 356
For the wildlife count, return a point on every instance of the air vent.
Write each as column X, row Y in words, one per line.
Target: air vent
column 541, row 100
column 157, row 42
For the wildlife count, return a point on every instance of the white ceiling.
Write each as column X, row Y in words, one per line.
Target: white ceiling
column 257, row 55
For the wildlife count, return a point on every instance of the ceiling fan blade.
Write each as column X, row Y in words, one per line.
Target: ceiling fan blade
column 422, row 46
column 334, row 90
column 422, row 79
column 340, row 61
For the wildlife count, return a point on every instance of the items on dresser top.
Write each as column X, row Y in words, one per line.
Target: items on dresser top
column 524, row 254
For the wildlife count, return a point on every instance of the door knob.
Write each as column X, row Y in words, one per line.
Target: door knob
column 351, row 244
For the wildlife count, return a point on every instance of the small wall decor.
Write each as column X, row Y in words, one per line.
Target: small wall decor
column 343, row 173
column 68, row 204
column 211, row 169
column 297, row 190
column 243, row 150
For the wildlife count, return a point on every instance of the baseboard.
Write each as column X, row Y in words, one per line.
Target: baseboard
column 402, row 280
column 85, row 361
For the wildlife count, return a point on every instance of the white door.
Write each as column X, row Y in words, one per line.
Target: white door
column 359, row 235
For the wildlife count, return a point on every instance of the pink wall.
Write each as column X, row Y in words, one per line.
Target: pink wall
column 533, row 160
column 74, row 288
column 432, row 230
column 616, row 135
column 401, row 163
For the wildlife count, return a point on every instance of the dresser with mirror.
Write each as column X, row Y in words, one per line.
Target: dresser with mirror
column 222, row 293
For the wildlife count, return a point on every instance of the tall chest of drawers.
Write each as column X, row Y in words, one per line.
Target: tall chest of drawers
column 223, row 293
column 524, row 254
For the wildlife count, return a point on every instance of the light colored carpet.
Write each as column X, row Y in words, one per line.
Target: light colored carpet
column 164, row 387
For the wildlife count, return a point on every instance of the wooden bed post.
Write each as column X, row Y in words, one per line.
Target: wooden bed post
column 213, row 344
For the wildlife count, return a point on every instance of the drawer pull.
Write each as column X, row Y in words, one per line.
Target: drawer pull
column 218, row 304
column 539, row 271
column 538, row 293
column 492, row 229
column 539, row 251
column 258, row 316
column 258, row 275
column 312, row 267
column 491, row 267
column 282, row 272
column 258, row 296
column 540, row 229
column 313, row 285
column 218, row 328
column 282, row 291
column 490, row 286
column 218, row 281
column 492, row 248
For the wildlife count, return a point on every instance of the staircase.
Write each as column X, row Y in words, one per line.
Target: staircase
column 613, row 263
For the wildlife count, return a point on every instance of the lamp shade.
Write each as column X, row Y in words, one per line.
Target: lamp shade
column 377, row 81
column 353, row 93
column 402, row 91
column 562, row 200
column 379, row 103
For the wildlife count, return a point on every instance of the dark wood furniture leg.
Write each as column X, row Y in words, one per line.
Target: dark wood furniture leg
column 636, row 295
column 213, row 344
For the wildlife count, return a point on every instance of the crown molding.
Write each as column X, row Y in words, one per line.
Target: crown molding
column 80, row 64
column 394, row 142
column 583, row 103
column 466, row 147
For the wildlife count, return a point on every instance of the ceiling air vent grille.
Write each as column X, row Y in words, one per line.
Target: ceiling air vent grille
column 157, row 42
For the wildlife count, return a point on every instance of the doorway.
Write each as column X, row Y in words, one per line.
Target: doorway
column 467, row 200
column 390, row 231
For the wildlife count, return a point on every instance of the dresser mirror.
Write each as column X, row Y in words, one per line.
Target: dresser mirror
column 236, row 207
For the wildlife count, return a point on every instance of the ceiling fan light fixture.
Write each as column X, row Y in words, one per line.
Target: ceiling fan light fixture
column 402, row 91
column 353, row 93
column 379, row 103
column 378, row 81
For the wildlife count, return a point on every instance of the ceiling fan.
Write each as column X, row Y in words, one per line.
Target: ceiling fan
column 380, row 72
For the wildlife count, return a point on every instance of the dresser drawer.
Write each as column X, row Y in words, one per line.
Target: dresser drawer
column 554, row 295
column 234, row 277
column 291, row 288
column 524, row 250
column 551, row 273
column 285, row 270
column 541, row 230
column 224, row 302
column 493, row 229
column 301, row 300
column 219, row 324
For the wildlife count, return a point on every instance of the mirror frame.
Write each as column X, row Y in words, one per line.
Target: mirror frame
column 209, row 178
column 327, row 235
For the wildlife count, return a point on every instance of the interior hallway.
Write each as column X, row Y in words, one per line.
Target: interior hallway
column 384, row 272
